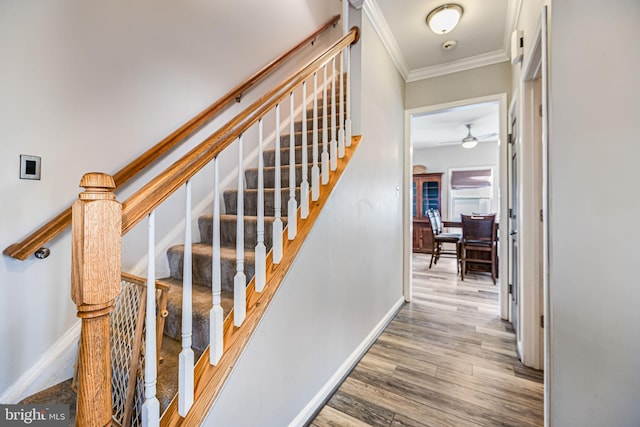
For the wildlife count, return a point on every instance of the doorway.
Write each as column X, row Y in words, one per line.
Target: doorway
column 499, row 138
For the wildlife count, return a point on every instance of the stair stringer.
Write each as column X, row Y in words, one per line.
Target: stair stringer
column 209, row 380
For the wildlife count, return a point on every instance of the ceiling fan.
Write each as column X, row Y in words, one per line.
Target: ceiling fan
column 470, row 140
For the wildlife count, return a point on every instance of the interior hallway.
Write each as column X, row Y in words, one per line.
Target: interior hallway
column 445, row 360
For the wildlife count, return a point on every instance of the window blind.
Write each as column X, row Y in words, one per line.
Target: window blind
column 466, row 179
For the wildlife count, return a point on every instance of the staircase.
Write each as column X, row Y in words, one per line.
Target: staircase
column 105, row 220
column 202, row 251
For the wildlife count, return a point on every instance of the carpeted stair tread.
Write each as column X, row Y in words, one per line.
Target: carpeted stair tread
column 251, row 201
column 269, row 176
column 167, row 385
column 228, row 230
column 59, row 394
column 269, row 156
column 201, row 264
column 202, row 303
column 285, row 138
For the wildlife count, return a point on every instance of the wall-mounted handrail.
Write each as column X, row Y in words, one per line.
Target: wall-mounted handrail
column 149, row 197
column 22, row 250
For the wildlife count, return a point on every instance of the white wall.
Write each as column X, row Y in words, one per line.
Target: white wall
column 347, row 276
column 88, row 86
column 442, row 159
column 593, row 168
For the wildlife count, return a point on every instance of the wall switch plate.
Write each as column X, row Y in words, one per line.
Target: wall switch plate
column 29, row 167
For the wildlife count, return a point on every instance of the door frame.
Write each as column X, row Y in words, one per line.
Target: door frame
column 531, row 104
column 514, row 261
column 501, row 98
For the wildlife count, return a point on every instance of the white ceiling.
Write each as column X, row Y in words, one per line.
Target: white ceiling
column 447, row 127
column 483, row 37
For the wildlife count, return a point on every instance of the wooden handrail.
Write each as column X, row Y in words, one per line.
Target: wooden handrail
column 55, row 226
column 149, row 197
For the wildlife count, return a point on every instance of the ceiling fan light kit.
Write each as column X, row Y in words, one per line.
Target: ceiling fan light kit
column 469, row 141
column 444, row 18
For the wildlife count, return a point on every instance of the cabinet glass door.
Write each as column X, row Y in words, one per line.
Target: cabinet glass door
column 414, row 192
column 430, row 196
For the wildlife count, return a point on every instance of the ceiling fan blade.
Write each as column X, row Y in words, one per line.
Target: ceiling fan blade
column 488, row 136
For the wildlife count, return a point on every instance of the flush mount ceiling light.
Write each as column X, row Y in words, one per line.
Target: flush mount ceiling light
column 469, row 141
column 444, row 18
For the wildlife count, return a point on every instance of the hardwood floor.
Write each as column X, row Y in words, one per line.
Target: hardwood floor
column 446, row 359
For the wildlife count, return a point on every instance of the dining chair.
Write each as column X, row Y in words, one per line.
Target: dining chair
column 439, row 239
column 478, row 245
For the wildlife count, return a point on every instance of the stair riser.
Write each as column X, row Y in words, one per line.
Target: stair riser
column 251, row 202
column 297, row 126
column 201, row 268
column 270, row 178
column 228, row 230
column 269, row 156
column 285, row 140
column 321, row 109
column 199, row 325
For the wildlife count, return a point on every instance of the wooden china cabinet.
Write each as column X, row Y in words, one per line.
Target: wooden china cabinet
column 427, row 194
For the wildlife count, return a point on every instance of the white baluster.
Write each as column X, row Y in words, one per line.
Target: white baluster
column 185, row 360
column 151, row 405
column 347, row 122
column 341, row 109
column 277, row 222
column 304, row 185
column 216, row 319
column 325, row 134
column 261, row 249
column 334, row 138
column 315, row 170
column 292, row 206
column 240, row 279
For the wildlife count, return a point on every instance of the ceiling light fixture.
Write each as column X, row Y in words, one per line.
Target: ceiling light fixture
column 469, row 141
column 444, row 18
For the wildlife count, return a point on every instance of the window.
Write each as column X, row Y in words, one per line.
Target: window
column 471, row 191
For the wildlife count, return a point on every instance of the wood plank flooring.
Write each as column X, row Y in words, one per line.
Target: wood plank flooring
column 446, row 359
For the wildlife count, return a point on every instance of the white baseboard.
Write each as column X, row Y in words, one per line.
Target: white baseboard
column 55, row 366
column 320, row 398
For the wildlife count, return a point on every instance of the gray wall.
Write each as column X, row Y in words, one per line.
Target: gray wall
column 346, row 278
column 474, row 83
column 594, row 204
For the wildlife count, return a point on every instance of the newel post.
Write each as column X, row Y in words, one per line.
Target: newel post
column 95, row 282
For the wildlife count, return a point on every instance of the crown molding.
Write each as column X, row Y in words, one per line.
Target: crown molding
column 489, row 58
column 373, row 12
